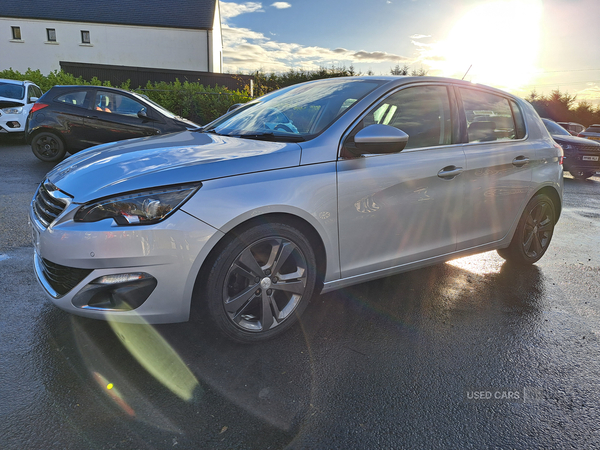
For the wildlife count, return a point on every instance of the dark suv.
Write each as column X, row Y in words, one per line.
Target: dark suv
column 582, row 156
column 71, row 118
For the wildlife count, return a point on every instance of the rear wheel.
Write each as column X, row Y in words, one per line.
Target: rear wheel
column 48, row 147
column 582, row 174
column 533, row 234
column 260, row 283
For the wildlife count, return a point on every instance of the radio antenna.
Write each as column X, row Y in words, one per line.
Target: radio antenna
column 467, row 72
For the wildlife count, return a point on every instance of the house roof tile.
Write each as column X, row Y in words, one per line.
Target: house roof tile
column 193, row 14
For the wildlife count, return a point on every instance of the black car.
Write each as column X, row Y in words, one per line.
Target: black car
column 582, row 156
column 71, row 118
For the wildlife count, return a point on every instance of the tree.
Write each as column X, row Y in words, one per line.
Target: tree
column 561, row 107
column 399, row 70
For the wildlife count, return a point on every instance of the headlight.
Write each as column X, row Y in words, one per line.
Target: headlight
column 13, row 110
column 567, row 147
column 138, row 208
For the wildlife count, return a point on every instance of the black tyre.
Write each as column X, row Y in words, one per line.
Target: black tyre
column 533, row 234
column 48, row 147
column 582, row 174
column 260, row 282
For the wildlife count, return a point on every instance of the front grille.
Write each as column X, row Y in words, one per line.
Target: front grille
column 46, row 206
column 61, row 278
column 588, row 148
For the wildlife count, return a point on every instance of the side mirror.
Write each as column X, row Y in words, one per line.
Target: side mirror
column 142, row 114
column 33, row 99
column 379, row 139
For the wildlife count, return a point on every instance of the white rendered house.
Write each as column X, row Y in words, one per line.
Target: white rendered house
column 174, row 34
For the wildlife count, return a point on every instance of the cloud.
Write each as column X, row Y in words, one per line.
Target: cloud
column 229, row 10
column 281, row 5
column 420, row 36
column 246, row 50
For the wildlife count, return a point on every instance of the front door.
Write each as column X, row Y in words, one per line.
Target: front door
column 114, row 117
column 402, row 207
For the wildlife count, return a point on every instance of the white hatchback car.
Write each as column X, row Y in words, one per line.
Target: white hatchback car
column 16, row 100
column 312, row 188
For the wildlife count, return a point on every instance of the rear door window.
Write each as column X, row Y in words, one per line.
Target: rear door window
column 490, row 117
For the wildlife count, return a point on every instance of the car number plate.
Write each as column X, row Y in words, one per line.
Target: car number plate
column 590, row 158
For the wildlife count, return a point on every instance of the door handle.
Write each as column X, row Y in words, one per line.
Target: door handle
column 449, row 172
column 520, row 161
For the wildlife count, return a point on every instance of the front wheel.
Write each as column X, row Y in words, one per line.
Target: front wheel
column 260, row 282
column 48, row 147
column 533, row 234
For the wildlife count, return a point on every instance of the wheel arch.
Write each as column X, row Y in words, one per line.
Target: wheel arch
column 293, row 220
column 50, row 130
column 552, row 193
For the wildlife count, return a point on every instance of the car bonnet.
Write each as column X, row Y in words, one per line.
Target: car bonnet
column 9, row 102
column 185, row 157
column 574, row 140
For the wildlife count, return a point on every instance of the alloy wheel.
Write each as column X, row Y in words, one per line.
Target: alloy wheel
column 265, row 284
column 538, row 230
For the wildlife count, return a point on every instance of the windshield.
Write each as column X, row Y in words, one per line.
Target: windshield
column 300, row 111
column 9, row 90
column 555, row 129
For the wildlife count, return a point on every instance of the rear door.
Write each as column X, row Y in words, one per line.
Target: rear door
column 499, row 165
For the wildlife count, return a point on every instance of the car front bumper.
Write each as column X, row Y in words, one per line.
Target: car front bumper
column 71, row 257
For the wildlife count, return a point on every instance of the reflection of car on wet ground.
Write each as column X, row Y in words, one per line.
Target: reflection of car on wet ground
column 582, row 156
column 71, row 118
column 16, row 99
column 308, row 189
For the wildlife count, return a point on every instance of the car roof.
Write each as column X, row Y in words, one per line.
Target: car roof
column 399, row 80
column 88, row 86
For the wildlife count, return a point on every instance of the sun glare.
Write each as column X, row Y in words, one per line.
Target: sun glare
column 498, row 40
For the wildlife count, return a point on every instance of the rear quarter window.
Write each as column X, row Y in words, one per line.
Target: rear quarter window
column 76, row 98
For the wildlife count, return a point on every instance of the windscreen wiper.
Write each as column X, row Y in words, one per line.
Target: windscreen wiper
column 202, row 130
column 272, row 137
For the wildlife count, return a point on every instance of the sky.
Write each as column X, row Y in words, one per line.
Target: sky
column 516, row 45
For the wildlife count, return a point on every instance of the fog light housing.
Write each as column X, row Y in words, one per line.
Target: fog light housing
column 13, row 124
column 119, row 292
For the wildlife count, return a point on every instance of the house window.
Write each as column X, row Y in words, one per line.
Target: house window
column 16, row 33
column 51, row 34
column 85, row 37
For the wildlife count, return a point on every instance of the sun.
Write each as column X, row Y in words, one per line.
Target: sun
column 498, row 40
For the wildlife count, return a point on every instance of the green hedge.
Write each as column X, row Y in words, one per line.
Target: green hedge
column 193, row 101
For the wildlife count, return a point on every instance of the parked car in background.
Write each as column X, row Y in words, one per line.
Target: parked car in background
column 16, row 100
column 573, row 128
column 582, row 156
column 308, row 189
column 592, row 132
column 71, row 118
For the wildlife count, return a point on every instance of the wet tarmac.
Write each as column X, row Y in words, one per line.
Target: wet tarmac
column 468, row 354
